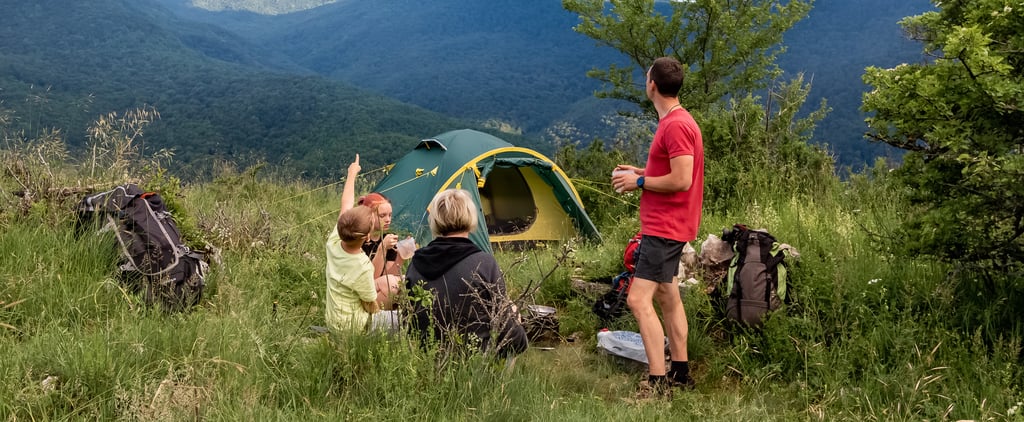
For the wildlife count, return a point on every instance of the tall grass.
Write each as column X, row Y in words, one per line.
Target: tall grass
column 868, row 336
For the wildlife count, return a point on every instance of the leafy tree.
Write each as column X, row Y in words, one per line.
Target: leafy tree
column 729, row 49
column 960, row 116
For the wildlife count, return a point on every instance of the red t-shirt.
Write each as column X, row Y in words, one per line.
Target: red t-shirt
column 674, row 215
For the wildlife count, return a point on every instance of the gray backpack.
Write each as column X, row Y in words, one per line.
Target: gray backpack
column 756, row 283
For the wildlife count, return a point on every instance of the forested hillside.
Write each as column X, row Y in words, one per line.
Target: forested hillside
column 218, row 95
column 244, row 85
column 511, row 62
column 522, row 63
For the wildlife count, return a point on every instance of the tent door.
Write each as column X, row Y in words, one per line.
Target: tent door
column 507, row 201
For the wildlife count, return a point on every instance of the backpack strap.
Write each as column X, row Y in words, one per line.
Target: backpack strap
column 739, row 240
column 777, row 261
column 765, row 242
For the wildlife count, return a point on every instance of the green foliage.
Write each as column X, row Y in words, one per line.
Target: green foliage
column 50, row 181
column 754, row 147
column 536, row 80
column 958, row 116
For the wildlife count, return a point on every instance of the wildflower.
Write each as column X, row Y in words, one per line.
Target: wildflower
column 1013, row 410
column 874, row 280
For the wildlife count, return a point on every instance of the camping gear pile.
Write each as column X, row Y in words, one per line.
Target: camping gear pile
column 745, row 269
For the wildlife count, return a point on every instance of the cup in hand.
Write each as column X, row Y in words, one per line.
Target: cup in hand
column 406, row 247
column 618, row 172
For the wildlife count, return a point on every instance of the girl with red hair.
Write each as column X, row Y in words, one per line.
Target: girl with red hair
column 381, row 248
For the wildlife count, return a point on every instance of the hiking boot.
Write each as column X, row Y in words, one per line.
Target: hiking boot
column 647, row 391
column 686, row 384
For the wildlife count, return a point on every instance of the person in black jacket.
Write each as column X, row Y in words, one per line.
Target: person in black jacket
column 467, row 304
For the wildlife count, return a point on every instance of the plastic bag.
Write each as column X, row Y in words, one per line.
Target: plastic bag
column 627, row 344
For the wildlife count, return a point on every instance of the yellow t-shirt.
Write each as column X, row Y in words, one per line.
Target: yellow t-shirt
column 349, row 281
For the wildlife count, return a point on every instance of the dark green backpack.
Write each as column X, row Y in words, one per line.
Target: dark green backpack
column 756, row 283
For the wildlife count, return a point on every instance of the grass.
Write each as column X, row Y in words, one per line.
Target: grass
column 869, row 337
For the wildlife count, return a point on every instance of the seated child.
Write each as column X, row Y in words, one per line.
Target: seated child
column 351, row 294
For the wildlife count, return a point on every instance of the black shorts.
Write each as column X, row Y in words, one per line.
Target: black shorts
column 658, row 258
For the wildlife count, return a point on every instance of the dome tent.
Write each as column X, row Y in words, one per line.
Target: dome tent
column 521, row 195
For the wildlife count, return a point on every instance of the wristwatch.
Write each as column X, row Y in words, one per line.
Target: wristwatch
column 640, row 182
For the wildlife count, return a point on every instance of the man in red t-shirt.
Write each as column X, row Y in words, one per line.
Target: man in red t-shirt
column 670, row 209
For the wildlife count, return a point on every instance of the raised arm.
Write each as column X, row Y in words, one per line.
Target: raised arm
column 348, row 193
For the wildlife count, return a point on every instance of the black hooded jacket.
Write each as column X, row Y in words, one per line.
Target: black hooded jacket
column 468, row 297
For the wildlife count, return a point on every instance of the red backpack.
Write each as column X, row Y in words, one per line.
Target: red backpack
column 629, row 255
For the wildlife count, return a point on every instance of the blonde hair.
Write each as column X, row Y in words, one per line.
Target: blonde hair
column 355, row 224
column 452, row 211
